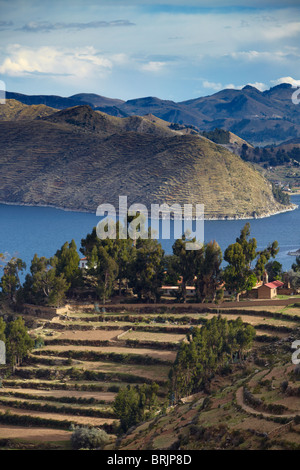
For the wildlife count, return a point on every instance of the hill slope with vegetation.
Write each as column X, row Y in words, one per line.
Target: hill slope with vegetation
column 78, row 158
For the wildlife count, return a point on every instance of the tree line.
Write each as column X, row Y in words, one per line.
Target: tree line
column 117, row 266
column 208, row 349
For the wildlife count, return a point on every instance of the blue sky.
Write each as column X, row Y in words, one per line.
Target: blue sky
column 174, row 50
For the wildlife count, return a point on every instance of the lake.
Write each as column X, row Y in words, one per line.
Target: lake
column 25, row 231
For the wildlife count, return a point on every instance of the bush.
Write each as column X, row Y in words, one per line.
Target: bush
column 89, row 438
column 284, row 386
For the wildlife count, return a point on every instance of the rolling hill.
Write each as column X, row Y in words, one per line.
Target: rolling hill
column 261, row 118
column 78, row 158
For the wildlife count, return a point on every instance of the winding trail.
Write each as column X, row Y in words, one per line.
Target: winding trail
column 252, row 411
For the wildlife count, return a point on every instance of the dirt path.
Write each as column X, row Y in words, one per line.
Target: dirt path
column 252, row 411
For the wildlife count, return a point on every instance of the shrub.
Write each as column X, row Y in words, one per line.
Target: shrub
column 89, row 438
column 284, row 386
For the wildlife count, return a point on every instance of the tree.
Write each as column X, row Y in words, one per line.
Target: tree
column 119, row 249
column 123, row 252
column 186, row 265
column 274, row 270
column 208, row 270
column 126, row 406
column 18, row 342
column 296, row 265
column 104, row 269
column 10, row 281
column 171, row 276
column 68, row 263
column 147, row 269
column 294, row 279
column 263, row 257
column 135, row 404
column 238, row 275
column 44, row 285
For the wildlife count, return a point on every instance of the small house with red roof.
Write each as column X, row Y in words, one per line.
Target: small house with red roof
column 83, row 262
column 269, row 290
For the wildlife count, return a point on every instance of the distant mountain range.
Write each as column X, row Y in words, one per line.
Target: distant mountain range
column 78, row 158
column 261, row 118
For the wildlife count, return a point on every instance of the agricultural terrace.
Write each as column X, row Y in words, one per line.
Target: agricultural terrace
column 85, row 358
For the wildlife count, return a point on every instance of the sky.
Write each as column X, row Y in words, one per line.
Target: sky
column 175, row 50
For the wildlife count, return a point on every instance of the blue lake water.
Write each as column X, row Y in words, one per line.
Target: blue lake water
column 25, row 231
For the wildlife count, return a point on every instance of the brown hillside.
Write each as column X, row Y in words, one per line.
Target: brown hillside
column 78, row 158
column 14, row 111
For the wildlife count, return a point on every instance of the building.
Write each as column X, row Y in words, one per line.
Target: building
column 83, row 262
column 269, row 290
column 173, row 290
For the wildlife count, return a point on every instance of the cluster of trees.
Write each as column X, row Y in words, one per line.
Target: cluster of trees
column 239, row 275
column 219, row 136
column 135, row 404
column 17, row 341
column 138, row 264
column 279, row 195
column 114, row 265
column 270, row 156
column 49, row 280
column 294, row 274
column 208, row 349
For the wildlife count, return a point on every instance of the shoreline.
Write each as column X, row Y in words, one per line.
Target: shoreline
column 290, row 208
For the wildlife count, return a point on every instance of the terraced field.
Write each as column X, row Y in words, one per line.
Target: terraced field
column 255, row 407
column 74, row 377
column 86, row 357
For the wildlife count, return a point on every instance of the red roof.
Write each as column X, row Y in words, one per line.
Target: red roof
column 274, row 284
column 81, row 259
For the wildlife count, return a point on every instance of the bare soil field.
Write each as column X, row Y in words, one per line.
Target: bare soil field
column 87, row 421
column 159, row 337
column 164, row 354
column 33, row 434
column 107, row 396
column 91, row 335
column 257, row 320
column 153, row 372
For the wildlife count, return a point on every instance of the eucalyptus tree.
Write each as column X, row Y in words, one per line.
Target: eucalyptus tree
column 208, row 271
column 184, row 263
column 10, row 281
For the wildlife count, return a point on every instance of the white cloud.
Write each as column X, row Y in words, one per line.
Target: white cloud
column 79, row 62
column 281, row 31
column 212, row 85
column 259, row 85
column 219, row 86
column 153, row 66
column 272, row 56
column 290, row 80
